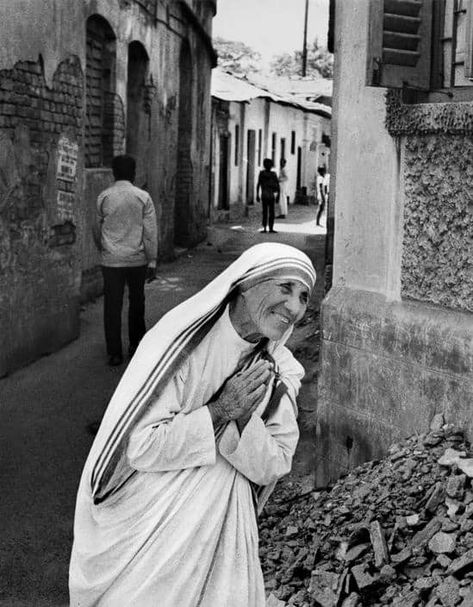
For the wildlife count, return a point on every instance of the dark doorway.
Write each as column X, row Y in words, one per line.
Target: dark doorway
column 299, row 168
column 184, row 176
column 283, row 148
column 250, row 167
column 100, row 98
column 137, row 123
column 223, row 172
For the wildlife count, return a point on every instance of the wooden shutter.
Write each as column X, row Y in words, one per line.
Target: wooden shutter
column 400, row 41
column 468, row 4
column 331, row 27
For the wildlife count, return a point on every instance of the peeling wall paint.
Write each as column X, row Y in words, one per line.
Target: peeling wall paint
column 47, row 257
column 37, row 237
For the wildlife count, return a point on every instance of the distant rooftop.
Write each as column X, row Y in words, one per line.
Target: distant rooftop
column 307, row 87
column 229, row 87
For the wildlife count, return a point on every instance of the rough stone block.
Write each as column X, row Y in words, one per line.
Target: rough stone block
column 443, row 543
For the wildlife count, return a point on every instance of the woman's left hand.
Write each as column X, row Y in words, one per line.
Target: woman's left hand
column 242, row 394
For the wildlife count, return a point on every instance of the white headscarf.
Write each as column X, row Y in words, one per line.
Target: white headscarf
column 169, row 343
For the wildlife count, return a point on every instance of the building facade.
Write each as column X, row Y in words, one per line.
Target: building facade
column 250, row 124
column 82, row 81
column 397, row 324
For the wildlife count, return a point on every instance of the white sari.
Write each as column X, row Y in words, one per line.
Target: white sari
column 174, row 524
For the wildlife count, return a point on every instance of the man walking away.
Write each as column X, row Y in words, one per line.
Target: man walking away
column 126, row 234
column 268, row 186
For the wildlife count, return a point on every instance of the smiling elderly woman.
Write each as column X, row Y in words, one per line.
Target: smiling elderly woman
column 200, row 428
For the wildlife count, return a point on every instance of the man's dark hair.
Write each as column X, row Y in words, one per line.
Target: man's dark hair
column 268, row 164
column 124, row 167
column 322, row 171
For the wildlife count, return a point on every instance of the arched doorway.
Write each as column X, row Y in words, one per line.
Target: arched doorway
column 184, row 175
column 137, row 119
column 100, row 88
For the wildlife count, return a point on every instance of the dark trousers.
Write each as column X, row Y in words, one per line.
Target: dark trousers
column 268, row 211
column 320, row 211
column 114, row 281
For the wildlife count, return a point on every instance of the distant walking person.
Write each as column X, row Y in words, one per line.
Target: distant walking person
column 283, row 195
column 322, row 191
column 126, row 234
column 268, row 184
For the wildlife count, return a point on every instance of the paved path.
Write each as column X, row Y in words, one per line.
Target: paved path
column 46, row 408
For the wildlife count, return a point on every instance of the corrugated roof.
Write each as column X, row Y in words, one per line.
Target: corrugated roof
column 306, row 87
column 228, row 87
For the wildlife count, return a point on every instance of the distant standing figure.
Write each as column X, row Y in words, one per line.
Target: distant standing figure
column 322, row 191
column 268, row 185
column 126, row 234
column 283, row 196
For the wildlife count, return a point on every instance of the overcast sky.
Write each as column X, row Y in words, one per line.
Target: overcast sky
column 271, row 27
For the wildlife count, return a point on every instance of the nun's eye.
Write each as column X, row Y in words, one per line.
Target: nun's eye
column 286, row 288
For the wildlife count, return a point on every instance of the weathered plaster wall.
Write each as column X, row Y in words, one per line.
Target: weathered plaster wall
column 200, row 151
column 386, row 369
column 437, row 261
column 402, row 233
column 157, row 158
column 269, row 117
column 48, row 260
column 47, row 28
column 308, row 128
column 366, row 167
column 39, row 266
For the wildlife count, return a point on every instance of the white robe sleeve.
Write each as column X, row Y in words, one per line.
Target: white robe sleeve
column 263, row 452
column 168, row 439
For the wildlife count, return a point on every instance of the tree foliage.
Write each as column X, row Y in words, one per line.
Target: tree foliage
column 319, row 63
column 236, row 57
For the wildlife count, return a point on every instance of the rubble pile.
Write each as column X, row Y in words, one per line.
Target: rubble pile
column 395, row 532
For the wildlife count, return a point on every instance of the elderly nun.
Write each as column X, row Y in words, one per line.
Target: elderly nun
column 198, row 431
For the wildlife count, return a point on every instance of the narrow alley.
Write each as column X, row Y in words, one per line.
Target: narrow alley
column 49, row 409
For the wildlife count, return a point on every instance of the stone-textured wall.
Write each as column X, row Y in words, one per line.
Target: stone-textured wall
column 39, row 273
column 437, row 263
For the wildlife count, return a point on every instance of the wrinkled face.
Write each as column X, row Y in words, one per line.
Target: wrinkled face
column 275, row 305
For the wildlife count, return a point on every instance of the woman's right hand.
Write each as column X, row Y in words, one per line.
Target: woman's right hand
column 241, row 394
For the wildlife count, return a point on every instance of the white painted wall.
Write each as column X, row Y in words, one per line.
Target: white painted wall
column 270, row 117
column 368, row 234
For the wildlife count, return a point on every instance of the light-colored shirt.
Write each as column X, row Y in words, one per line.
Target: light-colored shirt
column 127, row 233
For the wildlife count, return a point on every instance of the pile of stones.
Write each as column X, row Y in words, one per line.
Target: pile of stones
column 395, row 532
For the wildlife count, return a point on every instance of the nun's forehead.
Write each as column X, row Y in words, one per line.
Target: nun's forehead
column 302, row 273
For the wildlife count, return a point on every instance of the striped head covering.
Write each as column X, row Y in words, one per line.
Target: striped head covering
column 165, row 347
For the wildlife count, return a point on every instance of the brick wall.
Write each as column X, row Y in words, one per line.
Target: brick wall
column 26, row 101
column 37, row 236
